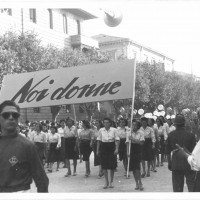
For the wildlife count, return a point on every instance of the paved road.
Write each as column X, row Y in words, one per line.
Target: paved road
column 159, row 181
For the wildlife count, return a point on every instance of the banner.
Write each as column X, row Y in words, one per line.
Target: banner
column 73, row 85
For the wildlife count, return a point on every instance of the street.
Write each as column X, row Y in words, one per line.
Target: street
column 159, row 181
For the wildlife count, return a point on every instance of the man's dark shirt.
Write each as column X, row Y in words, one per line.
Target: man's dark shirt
column 185, row 139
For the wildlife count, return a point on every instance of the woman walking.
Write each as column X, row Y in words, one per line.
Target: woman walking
column 54, row 155
column 109, row 149
column 97, row 161
column 71, row 146
column 149, row 144
column 122, row 132
column 136, row 138
column 40, row 140
column 162, row 135
column 85, row 138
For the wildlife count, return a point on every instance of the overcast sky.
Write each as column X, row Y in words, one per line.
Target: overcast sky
column 171, row 27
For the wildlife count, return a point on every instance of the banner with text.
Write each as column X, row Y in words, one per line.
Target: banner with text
column 81, row 84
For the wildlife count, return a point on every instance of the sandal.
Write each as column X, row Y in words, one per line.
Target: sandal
column 137, row 187
column 74, row 173
column 68, row 174
column 50, row 170
column 148, row 174
column 111, row 185
column 141, row 187
column 105, row 186
column 143, row 175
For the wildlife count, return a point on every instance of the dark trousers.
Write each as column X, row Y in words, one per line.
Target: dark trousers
column 197, row 182
column 178, row 180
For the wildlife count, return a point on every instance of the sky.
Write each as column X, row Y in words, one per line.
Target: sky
column 170, row 27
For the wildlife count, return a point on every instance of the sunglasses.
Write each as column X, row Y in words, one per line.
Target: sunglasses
column 6, row 115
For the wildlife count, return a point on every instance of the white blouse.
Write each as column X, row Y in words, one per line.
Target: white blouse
column 138, row 135
column 70, row 132
column 54, row 138
column 122, row 132
column 110, row 135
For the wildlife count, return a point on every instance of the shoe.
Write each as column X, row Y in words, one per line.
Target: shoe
column 161, row 164
column 86, row 175
column 137, row 187
column 57, row 169
column 111, row 185
column 74, row 173
column 50, row 170
column 143, row 175
column 105, row 186
column 141, row 187
column 154, row 170
column 148, row 174
column 68, row 174
column 157, row 165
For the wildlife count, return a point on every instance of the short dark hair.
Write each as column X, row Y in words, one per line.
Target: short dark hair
column 144, row 119
column 125, row 120
column 152, row 120
column 62, row 120
column 100, row 123
column 138, row 123
column 160, row 120
column 106, row 118
column 9, row 103
column 86, row 123
column 54, row 127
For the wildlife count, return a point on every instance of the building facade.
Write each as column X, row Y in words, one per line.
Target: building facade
column 119, row 47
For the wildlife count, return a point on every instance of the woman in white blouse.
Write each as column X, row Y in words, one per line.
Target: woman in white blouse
column 135, row 138
column 54, row 141
column 162, row 135
column 122, row 132
column 109, row 140
column 85, row 138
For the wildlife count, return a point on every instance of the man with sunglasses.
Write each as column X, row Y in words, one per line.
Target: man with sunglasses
column 19, row 160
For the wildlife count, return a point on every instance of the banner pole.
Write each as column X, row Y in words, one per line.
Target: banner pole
column 132, row 107
column 74, row 114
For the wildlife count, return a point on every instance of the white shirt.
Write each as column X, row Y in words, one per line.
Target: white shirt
column 148, row 133
column 108, row 135
column 54, row 138
column 39, row 137
column 122, row 132
column 61, row 131
column 138, row 135
column 162, row 132
column 171, row 128
column 194, row 158
column 70, row 132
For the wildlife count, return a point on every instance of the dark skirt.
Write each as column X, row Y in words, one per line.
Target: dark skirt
column 70, row 151
column 197, row 182
column 135, row 157
column 122, row 149
column 54, row 154
column 162, row 145
column 85, row 149
column 96, row 158
column 147, row 150
column 41, row 150
column 108, row 159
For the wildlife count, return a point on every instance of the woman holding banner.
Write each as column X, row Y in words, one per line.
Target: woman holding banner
column 109, row 140
column 85, row 137
column 135, row 138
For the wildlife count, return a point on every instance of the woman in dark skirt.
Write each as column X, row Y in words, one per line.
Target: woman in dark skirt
column 122, row 132
column 85, row 138
column 162, row 135
column 71, row 146
column 109, row 149
column 40, row 140
column 97, row 161
column 136, row 140
column 149, row 144
column 54, row 155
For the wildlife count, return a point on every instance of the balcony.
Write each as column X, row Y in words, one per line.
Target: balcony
column 81, row 40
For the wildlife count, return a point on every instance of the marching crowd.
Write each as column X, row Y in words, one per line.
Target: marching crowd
column 142, row 150
column 63, row 141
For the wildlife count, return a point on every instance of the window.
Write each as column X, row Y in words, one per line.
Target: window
column 8, row 11
column 36, row 110
column 50, row 19
column 32, row 13
column 65, row 28
column 78, row 27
